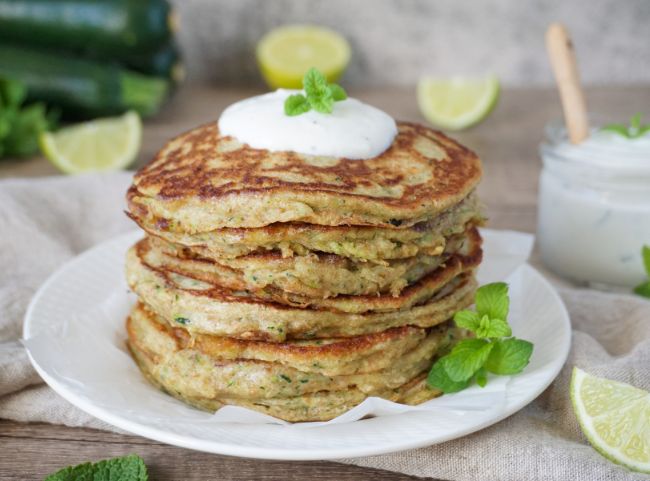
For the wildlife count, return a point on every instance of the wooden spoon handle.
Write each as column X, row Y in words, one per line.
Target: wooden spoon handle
column 563, row 61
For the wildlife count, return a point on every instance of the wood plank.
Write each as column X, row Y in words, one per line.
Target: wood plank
column 32, row 451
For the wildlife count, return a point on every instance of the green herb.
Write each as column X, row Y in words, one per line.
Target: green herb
column 126, row 468
column 632, row 131
column 643, row 289
column 492, row 350
column 319, row 95
column 182, row 320
column 285, row 377
column 20, row 125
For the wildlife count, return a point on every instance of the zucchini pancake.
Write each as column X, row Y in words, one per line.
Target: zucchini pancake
column 300, row 283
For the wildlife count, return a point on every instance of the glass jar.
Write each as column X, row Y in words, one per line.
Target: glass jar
column 594, row 207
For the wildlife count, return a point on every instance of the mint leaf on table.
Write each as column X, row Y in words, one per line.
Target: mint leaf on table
column 491, row 350
column 125, row 468
column 319, row 95
column 20, row 125
column 643, row 289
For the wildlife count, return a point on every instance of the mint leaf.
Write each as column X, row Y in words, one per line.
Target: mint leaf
column 509, row 356
column 126, row 468
column 481, row 377
column 619, row 129
column 315, row 83
column 469, row 320
column 337, row 92
column 466, row 358
column 492, row 328
column 319, row 95
column 643, row 289
column 12, row 93
column 439, row 379
column 296, row 104
column 492, row 300
column 645, row 255
column 323, row 103
column 632, row 131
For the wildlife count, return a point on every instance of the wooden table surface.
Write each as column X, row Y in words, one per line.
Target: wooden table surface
column 507, row 142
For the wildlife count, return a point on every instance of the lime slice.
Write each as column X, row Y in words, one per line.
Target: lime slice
column 286, row 53
column 99, row 145
column 615, row 417
column 458, row 102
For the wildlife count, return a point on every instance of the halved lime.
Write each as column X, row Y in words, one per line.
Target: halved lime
column 286, row 53
column 615, row 417
column 99, row 145
column 456, row 103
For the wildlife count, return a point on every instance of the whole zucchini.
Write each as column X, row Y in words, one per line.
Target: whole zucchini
column 165, row 62
column 82, row 88
column 112, row 28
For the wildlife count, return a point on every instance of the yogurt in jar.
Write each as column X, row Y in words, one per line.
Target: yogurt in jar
column 594, row 207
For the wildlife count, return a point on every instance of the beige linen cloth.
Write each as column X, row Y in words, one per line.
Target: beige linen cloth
column 45, row 222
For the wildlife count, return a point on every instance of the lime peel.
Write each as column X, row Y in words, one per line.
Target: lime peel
column 615, row 418
column 456, row 103
column 99, row 145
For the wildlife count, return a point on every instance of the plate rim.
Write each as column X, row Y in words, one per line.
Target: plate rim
column 256, row 452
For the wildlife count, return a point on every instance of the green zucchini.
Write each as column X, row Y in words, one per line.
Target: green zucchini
column 82, row 88
column 165, row 62
column 112, row 28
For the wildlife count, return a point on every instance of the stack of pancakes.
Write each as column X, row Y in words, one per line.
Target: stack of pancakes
column 299, row 285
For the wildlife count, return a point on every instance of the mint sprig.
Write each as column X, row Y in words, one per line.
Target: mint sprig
column 492, row 350
column 125, row 468
column 643, row 289
column 319, row 95
column 20, row 125
column 632, row 131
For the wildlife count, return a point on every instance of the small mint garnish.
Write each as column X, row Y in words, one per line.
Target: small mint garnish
column 320, row 96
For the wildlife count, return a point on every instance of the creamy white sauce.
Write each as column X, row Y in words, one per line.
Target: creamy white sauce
column 594, row 208
column 608, row 149
column 353, row 130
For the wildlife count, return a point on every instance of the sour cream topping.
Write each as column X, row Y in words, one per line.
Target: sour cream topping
column 353, row 130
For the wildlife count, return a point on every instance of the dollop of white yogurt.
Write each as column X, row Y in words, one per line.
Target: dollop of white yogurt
column 608, row 149
column 353, row 130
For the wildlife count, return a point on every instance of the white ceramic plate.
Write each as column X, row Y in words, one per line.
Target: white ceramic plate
column 76, row 343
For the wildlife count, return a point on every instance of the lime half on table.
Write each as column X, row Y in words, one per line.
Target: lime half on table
column 286, row 53
column 615, row 417
column 99, row 145
column 457, row 103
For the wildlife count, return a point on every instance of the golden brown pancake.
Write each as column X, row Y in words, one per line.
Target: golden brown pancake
column 187, row 276
column 329, row 376
column 201, row 181
column 377, row 244
column 306, row 276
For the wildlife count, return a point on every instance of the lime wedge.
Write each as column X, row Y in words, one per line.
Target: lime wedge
column 458, row 102
column 615, row 417
column 99, row 145
column 286, row 53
